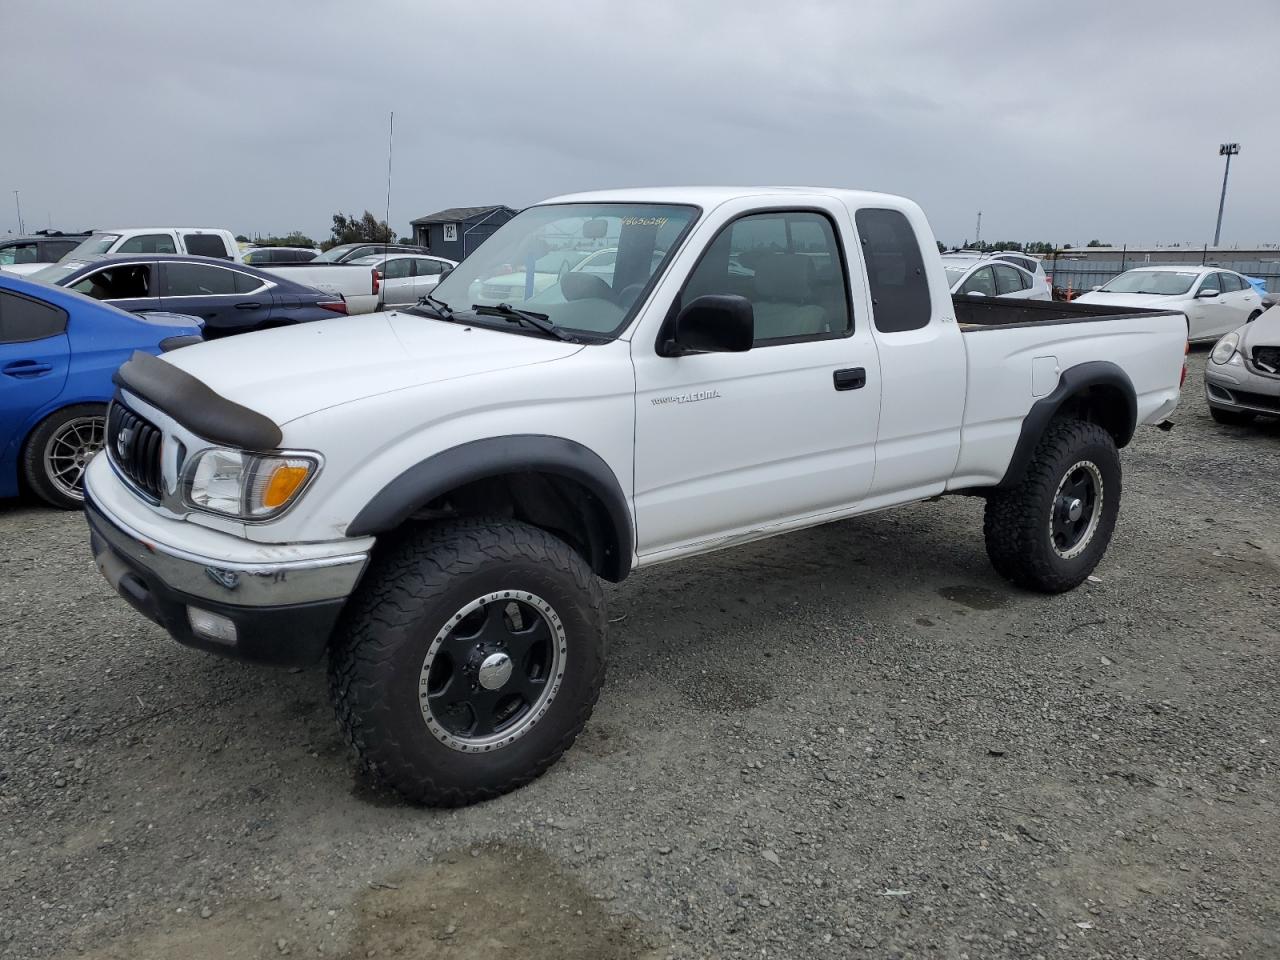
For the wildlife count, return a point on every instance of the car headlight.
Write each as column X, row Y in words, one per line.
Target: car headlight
column 1225, row 349
column 249, row 486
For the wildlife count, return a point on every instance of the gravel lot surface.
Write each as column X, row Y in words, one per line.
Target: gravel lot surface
column 855, row 741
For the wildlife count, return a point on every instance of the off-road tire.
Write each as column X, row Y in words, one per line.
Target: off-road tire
column 415, row 585
column 34, row 468
column 1232, row 418
column 1018, row 521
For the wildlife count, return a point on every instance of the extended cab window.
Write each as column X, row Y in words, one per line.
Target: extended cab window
column 788, row 264
column 128, row 282
column 205, row 245
column 23, row 320
column 895, row 270
column 197, row 280
column 246, row 282
column 148, row 243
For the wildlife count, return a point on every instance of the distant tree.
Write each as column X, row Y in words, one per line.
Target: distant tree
column 295, row 239
column 350, row 229
column 1097, row 243
column 241, row 238
column 942, row 247
column 1066, row 246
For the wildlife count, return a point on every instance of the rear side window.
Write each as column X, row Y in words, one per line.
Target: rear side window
column 788, row 264
column 23, row 320
column 18, row 253
column 433, row 268
column 129, row 282
column 245, row 282
column 981, row 281
column 205, row 245
column 1010, row 279
column 197, row 280
column 148, row 243
column 57, row 249
column 895, row 270
column 398, row 269
column 1230, row 282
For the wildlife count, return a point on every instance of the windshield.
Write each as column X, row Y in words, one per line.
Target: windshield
column 92, row 246
column 956, row 272
column 1166, row 283
column 335, row 254
column 532, row 263
column 55, row 273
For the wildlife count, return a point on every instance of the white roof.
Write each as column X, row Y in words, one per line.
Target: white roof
column 709, row 197
column 1178, row 268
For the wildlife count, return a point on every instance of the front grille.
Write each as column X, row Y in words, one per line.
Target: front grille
column 1262, row 401
column 1268, row 358
column 133, row 444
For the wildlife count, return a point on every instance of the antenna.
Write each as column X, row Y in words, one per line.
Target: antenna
column 391, row 135
column 18, row 203
column 977, row 234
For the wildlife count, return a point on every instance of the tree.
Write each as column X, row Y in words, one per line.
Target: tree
column 241, row 238
column 365, row 229
column 294, row 239
column 1097, row 243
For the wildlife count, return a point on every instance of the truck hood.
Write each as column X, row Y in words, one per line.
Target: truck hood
column 1147, row 301
column 293, row 371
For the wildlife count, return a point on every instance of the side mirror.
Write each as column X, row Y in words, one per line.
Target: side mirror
column 1207, row 292
column 713, row 323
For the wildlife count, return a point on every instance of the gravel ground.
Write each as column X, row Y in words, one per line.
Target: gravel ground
column 855, row 741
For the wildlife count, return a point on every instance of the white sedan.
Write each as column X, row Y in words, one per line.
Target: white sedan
column 988, row 277
column 1214, row 300
column 405, row 278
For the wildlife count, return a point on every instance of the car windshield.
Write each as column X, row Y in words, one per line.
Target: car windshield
column 335, row 254
column 530, row 263
column 92, row 246
column 1166, row 283
column 55, row 273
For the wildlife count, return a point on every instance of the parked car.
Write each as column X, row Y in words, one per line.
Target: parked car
column 992, row 277
column 1214, row 300
column 511, row 283
column 229, row 298
column 278, row 256
column 1242, row 377
column 404, row 279
column 45, row 246
column 357, row 284
column 197, row 241
column 346, row 252
column 428, row 496
column 58, row 351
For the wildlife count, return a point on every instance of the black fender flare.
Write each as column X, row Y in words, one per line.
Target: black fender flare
column 1072, row 382
column 494, row 457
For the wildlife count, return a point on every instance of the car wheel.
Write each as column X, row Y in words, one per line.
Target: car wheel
column 469, row 660
column 1049, row 532
column 1232, row 418
column 59, row 449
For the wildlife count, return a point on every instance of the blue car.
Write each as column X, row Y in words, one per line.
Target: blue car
column 58, row 350
column 228, row 297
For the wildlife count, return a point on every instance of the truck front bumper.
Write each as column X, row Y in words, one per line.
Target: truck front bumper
column 279, row 612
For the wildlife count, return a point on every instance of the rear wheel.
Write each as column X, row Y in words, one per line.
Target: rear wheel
column 1049, row 532
column 1254, row 316
column 1233, row 418
column 469, row 660
column 59, row 450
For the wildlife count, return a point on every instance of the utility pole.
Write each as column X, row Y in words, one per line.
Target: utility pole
column 977, row 234
column 1227, row 150
column 17, row 203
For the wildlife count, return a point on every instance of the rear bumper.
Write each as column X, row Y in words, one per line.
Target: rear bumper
column 282, row 613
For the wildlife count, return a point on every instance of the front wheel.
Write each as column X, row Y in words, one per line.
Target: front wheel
column 469, row 660
column 1049, row 532
column 58, row 451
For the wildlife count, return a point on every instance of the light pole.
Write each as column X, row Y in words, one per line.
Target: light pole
column 21, row 227
column 1227, row 150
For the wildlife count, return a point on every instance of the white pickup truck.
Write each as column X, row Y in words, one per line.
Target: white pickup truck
column 197, row 241
column 357, row 283
column 429, row 498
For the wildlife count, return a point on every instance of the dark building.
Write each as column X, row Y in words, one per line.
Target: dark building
column 456, row 232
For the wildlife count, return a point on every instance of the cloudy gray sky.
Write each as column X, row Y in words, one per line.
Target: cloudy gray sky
column 1062, row 121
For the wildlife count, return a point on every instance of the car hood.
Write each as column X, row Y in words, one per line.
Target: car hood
column 293, row 371
column 1263, row 332
column 1139, row 300
column 25, row 269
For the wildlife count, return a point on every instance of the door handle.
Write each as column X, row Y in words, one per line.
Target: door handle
column 248, row 306
column 852, row 378
column 26, row 368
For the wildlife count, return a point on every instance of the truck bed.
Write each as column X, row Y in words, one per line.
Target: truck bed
column 988, row 313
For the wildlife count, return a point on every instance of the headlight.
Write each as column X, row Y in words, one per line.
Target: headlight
column 1225, row 348
column 246, row 485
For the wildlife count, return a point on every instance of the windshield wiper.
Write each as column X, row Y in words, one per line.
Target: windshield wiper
column 539, row 321
column 442, row 308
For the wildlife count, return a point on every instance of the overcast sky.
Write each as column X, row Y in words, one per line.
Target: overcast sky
column 1061, row 122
